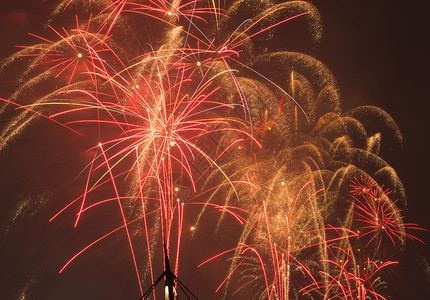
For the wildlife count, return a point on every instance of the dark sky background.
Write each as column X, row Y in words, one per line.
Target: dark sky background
column 379, row 53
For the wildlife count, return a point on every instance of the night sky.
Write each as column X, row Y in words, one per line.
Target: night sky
column 378, row 52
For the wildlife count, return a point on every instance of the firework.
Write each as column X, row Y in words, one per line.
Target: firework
column 192, row 126
column 351, row 279
column 377, row 216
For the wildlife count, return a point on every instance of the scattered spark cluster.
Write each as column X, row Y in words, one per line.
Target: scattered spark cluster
column 197, row 126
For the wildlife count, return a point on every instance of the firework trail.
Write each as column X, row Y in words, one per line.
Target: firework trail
column 189, row 119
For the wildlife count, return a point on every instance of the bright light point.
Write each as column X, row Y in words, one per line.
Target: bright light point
column 172, row 143
column 193, row 228
column 282, row 183
column 100, row 144
column 137, row 86
column 79, row 55
column 176, row 189
column 169, row 13
column 199, row 64
column 159, row 74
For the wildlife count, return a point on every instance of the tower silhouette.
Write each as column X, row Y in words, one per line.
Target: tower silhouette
column 170, row 281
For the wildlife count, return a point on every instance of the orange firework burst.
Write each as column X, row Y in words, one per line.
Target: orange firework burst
column 196, row 130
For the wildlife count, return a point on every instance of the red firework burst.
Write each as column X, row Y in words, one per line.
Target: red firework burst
column 377, row 216
column 348, row 279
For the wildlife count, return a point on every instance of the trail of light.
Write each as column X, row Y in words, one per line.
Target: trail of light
column 216, row 256
column 144, row 219
column 123, row 217
column 41, row 115
column 229, row 275
column 262, row 266
column 86, row 191
column 271, row 244
column 265, row 29
column 277, row 86
column 180, row 226
column 118, row 6
column 95, row 242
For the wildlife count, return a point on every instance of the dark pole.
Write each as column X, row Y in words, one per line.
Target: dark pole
column 169, row 281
